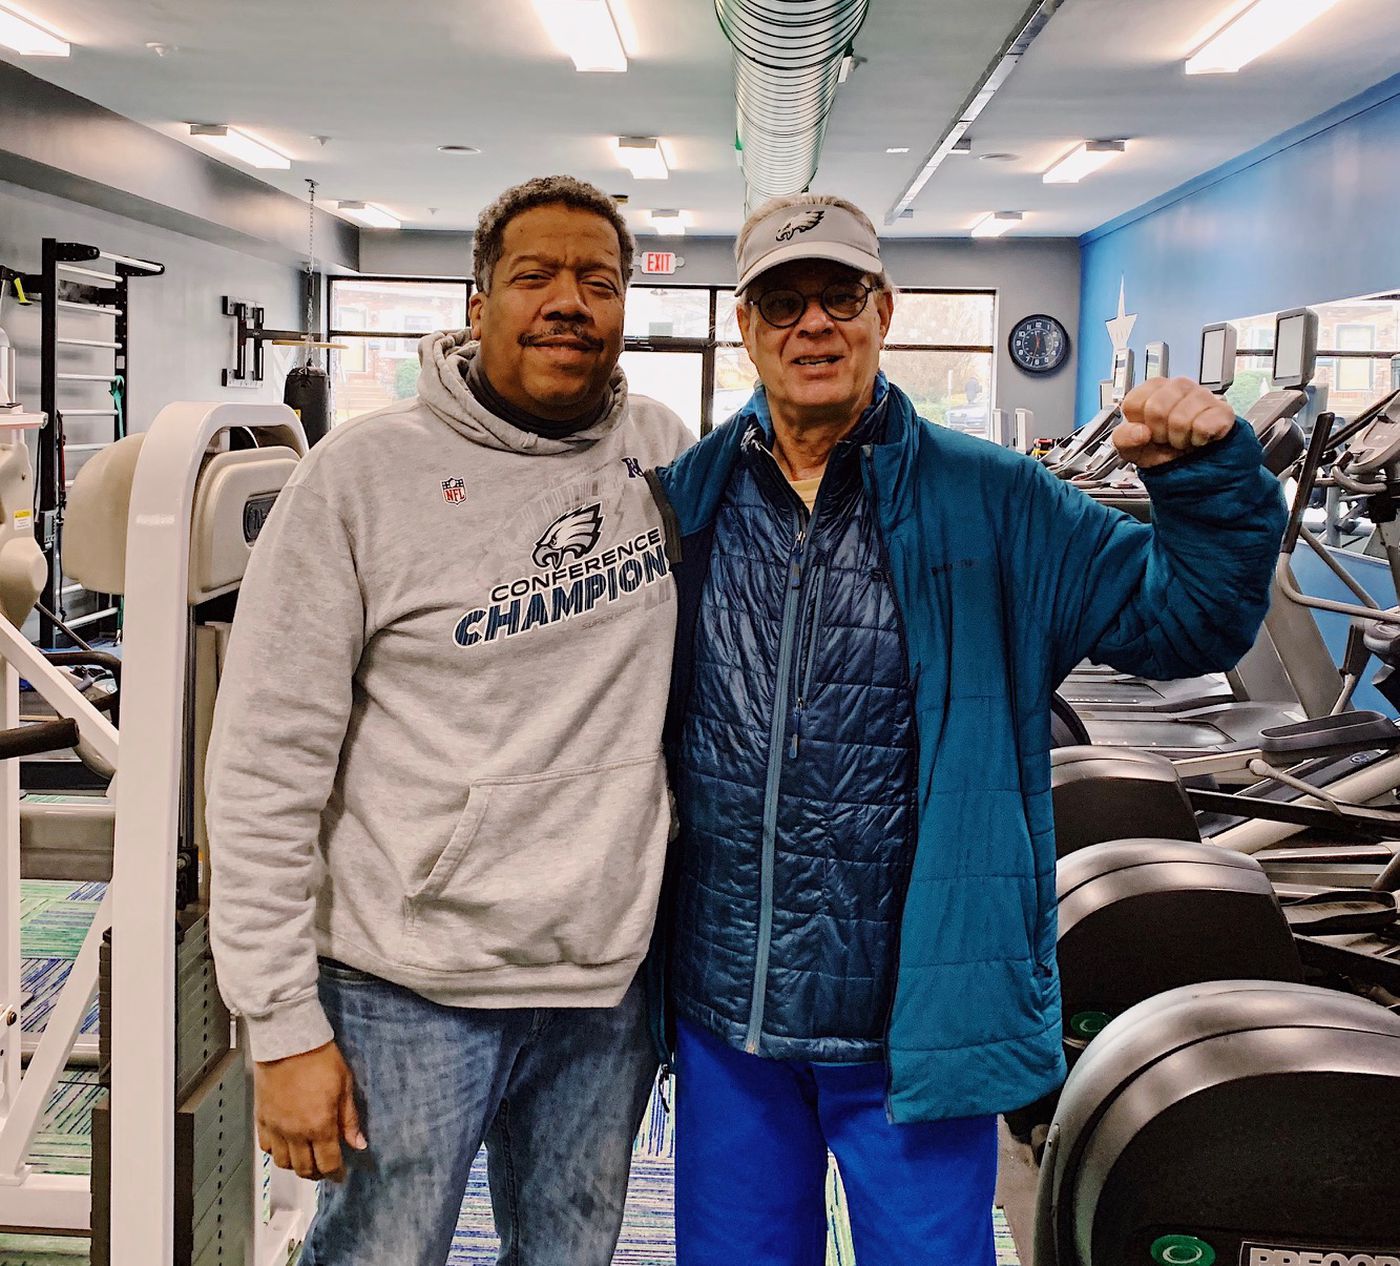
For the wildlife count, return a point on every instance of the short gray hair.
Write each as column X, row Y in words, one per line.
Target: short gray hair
column 880, row 281
column 543, row 191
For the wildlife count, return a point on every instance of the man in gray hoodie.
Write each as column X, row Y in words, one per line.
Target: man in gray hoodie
column 437, row 803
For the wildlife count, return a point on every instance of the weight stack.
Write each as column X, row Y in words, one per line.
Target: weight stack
column 214, row 1156
column 202, row 1021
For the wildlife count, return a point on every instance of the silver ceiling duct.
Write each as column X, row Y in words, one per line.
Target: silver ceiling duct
column 787, row 63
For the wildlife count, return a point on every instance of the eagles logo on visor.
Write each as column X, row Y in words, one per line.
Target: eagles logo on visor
column 806, row 230
column 799, row 224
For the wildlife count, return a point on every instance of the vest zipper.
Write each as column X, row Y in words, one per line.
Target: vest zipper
column 807, row 665
column 792, row 594
column 902, row 896
column 808, row 636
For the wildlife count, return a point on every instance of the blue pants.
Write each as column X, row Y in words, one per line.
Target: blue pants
column 557, row 1094
column 752, row 1136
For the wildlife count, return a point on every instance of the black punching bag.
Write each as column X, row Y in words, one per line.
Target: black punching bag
column 308, row 392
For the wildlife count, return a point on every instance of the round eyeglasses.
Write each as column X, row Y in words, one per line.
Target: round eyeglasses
column 841, row 301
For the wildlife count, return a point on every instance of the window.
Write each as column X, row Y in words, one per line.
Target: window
column 947, row 318
column 654, row 312
column 735, row 377
column 676, row 378
column 950, row 388
column 681, row 346
column 1355, row 373
column 938, row 351
column 1252, row 379
column 380, row 320
column 1357, row 340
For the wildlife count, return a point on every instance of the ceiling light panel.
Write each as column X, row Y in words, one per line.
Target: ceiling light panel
column 1083, row 160
column 241, row 146
column 1263, row 26
column 668, row 223
column 995, row 223
column 27, row 37
column 642, row 156
column 371, row 216
column 586, row 31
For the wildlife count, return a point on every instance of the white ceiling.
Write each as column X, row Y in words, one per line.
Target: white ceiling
column 388, row 83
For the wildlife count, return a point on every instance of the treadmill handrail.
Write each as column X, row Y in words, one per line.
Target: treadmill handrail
column 1294, row 594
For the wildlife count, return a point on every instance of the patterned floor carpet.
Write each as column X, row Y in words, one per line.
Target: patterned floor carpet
column 55, row 917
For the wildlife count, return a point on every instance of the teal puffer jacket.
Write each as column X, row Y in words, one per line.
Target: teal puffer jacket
column 1006, row 578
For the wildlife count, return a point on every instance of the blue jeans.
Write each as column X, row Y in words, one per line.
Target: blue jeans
column 557, row 1094
column 751, row 1158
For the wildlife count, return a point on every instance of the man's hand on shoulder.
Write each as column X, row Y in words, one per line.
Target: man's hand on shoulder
column 305, row 1106
column 1166, row 417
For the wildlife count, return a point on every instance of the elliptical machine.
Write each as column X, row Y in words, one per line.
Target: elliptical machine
column 1235, row 1122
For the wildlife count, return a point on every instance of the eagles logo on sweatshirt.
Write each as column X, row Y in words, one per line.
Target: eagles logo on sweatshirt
column 571, row 535
column 573, row 578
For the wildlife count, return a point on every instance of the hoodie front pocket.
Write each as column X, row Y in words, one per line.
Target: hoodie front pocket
column 555, row 867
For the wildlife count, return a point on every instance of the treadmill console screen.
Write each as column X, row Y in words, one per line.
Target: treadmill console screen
column 1217, row 371
column 1122, row 372
column 1213, row 356
column 1288, row 355
column 1295, row 348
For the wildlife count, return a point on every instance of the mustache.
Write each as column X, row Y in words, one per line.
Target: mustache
column 563, row 329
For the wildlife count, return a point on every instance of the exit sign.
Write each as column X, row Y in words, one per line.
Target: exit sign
column 658, row 262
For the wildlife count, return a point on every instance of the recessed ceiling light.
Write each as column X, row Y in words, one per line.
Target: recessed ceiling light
column 586, row 31
column 1083, row 160
column 1261, row 27
column 897, row 149
column 458, row 149
column 642, row 156
column 369, row 215
column 622, row 199
column 162, row 50
column 997, row 158
column 20, row 32
column 241, row 146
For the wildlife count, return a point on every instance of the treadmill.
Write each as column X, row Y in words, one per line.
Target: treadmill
column 1072, row 455
column 1097, row 686
column 1231, row 727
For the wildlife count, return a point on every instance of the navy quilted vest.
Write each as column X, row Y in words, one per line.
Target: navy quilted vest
column 797, row 769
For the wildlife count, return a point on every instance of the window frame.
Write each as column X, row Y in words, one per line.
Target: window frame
column 333, row 331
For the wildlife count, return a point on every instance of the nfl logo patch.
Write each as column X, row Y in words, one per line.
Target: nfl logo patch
column 454, row 491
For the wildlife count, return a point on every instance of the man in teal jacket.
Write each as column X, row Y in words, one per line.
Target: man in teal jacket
column 874, row 614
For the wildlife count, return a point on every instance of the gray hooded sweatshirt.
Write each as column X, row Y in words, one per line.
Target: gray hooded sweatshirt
column 437, row 745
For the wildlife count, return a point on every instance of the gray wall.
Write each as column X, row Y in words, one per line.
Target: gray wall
column 60, row 144
column 1032, row 275
column 179, row 339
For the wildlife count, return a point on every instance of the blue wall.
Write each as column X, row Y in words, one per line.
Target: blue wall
column 1312, row 216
